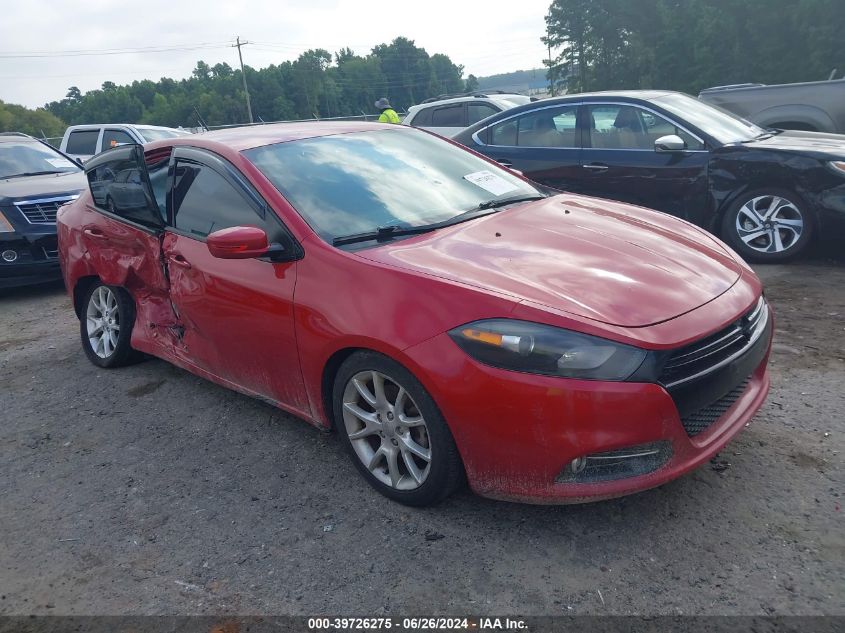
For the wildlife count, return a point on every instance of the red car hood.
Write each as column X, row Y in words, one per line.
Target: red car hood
column 598, row 259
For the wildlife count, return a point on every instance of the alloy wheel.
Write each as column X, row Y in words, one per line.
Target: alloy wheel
column 103, row 321
column 769, row 224
column 387, row 430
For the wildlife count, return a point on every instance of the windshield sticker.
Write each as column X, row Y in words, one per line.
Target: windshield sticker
column 489, row 181
column 59, row 162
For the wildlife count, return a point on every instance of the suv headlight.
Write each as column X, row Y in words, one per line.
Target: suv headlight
column 838, row 166
column 543, row 349
column 5, row 225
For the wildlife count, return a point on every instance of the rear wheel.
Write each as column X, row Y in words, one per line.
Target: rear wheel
column 394, row 432
column 768, row 225
column 108, row 315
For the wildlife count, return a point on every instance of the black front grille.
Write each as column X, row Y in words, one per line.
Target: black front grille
column 42, row 211
column 699, row 421
column 688, row 362
column 706, row 378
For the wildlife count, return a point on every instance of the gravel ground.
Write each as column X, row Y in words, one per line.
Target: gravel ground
column 146, row 490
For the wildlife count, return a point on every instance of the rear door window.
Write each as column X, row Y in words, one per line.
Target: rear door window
column 422, row 118
column 448, row 116
column 120, row 185
column 82, row 142
column 478, row 111
column 545, row 127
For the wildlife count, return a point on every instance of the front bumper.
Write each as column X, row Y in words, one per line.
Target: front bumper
column 36, row 259
column 518, row 433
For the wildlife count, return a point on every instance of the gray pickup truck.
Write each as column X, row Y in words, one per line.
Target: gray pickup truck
column 817, row 106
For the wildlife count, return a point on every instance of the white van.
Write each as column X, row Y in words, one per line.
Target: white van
column 83, row 141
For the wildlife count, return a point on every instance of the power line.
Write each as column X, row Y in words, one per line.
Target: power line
column 113, row 51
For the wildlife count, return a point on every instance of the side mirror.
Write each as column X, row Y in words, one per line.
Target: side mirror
column 240, row 242
column 670, row 143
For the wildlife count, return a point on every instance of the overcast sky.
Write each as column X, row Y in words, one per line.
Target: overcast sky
column 483, row 37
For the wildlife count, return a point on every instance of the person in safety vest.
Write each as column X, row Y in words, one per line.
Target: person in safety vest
column 388, row 114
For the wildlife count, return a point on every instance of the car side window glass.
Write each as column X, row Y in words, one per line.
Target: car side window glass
column 657, row 126
column 82, row 142
column 158, row 180
column 504, row 133
column 549, row 127
column 478, row 111
column 422, row 118
column 448, row 116
column 204, row 201
column 617, row 127
column 117, row 186
column 113, row 138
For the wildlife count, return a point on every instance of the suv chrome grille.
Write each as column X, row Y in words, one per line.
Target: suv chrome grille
column 42, row 211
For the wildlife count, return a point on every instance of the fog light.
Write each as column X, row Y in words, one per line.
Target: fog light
column 9, row 256
column 632, row 461
column 577, row 465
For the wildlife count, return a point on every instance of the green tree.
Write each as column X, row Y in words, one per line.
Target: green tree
column 38, row 122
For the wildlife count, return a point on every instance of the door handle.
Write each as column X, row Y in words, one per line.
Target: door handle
column 595, row 167
column 94, row 233
column 505, row 163
column 180, row 261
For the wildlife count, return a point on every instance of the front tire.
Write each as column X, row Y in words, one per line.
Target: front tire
column 108, row 314
column 394, row 432
column 768, row 225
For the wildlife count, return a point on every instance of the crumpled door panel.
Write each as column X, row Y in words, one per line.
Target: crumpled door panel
column 130, row 257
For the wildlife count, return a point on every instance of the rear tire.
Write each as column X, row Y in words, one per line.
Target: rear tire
column 105, row 326
column 394, row 432
column 768, row 225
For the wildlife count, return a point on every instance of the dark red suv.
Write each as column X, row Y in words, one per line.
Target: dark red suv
column 448, row 318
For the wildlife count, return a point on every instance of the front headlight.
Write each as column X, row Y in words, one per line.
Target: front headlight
column 543, row 349
column 5, row 225
column 838, row 166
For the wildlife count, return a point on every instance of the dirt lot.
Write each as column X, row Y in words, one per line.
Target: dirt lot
column 147, row 490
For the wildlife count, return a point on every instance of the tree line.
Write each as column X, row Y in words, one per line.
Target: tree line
column 688, row 45
column 317, row 84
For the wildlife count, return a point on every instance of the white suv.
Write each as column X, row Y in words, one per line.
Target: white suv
column 83, row 141
column 449, row 114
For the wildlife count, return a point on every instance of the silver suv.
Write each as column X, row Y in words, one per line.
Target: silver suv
column 83, row 141
column 447, row 115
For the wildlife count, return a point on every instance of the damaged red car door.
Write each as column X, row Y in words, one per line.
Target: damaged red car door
column 236, row 315
column 121, row 237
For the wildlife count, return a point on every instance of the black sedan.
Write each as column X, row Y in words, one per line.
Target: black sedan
column 766, row 192
column 35, row 180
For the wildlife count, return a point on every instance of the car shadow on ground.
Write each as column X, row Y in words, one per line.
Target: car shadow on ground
column 34, row 291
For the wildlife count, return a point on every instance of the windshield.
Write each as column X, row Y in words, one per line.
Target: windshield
column 31, row 157
column 152, row 134
column 355, row 183
column 720, row 124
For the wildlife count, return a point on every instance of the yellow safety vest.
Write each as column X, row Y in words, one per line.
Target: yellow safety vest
column 389, row 116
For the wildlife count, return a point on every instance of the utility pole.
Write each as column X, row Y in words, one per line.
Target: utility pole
column 243, row 76
column 551, row 73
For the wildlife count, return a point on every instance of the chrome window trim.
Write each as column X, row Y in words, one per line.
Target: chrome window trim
column 600, row 149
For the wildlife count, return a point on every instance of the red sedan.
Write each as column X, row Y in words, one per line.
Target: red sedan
column 448, row 318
